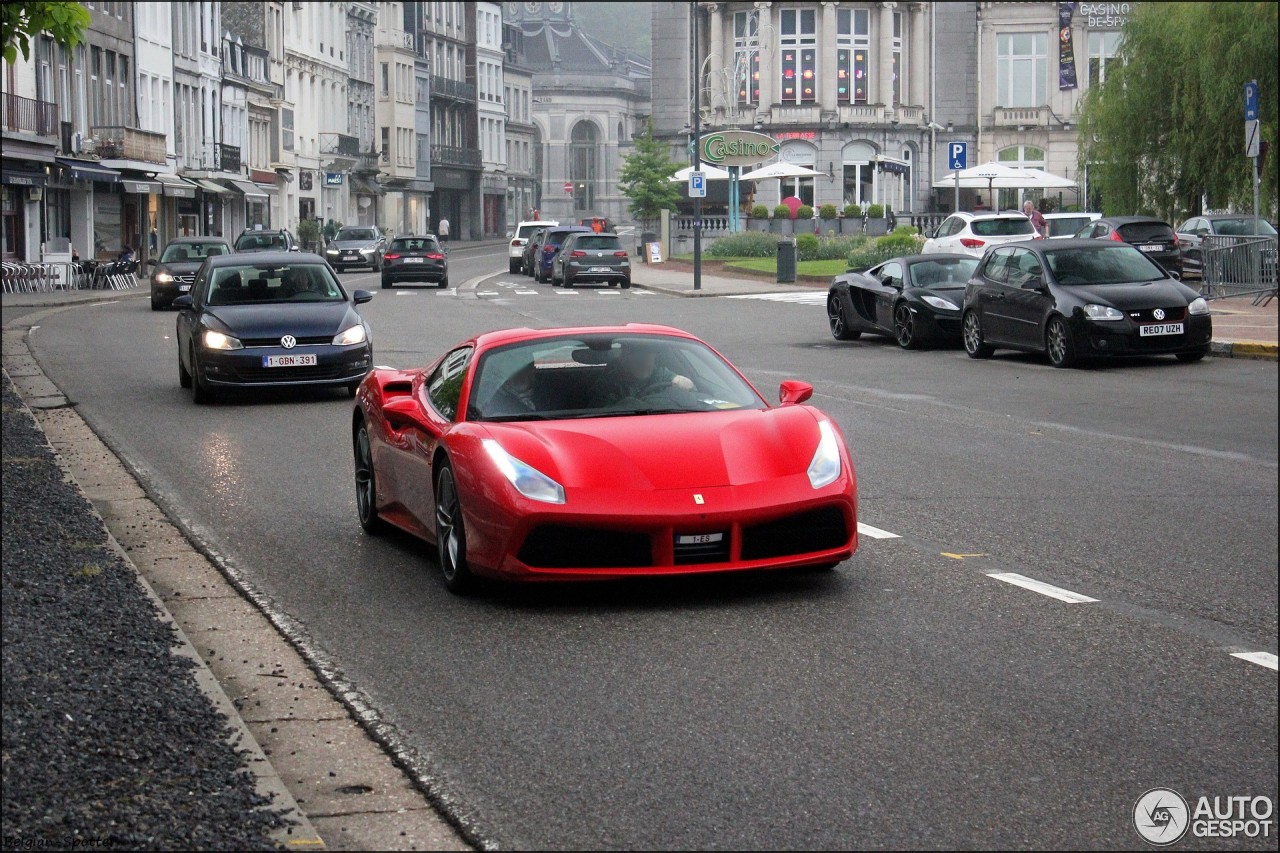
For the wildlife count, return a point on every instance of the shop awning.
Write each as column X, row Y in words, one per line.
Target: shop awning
column 24, row 178
column 269, row 189
column 246, row 189
column 175, row 187
column 143, row 187
column 892, row 165
column 84, row 170
column 210, row 186
column 364, row 186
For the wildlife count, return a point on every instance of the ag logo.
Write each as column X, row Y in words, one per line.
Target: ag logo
column 288, row 342
column 1161, row 816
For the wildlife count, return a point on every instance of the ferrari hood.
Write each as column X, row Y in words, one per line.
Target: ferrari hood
column 654, row 452
column 300, row 319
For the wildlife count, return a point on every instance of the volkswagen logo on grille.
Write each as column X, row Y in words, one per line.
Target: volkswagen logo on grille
column 289, row 341
column 1158, row 313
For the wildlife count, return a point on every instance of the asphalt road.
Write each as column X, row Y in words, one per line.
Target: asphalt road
column 908, row 699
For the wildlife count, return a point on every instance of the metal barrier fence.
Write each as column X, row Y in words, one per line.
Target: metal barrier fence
column 66, row 275
column 1239, row 266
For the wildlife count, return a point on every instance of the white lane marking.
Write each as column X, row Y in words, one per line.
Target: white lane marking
column 816, row 297
column 1260, row 658
column 1040, row 587
column 875, row 532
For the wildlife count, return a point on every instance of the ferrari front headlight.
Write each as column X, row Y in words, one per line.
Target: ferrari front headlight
column 354, row 335
column 825, row 467
column 528, row 481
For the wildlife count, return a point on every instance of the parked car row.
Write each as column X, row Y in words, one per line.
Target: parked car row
column 1073, row 300
column 567, row 255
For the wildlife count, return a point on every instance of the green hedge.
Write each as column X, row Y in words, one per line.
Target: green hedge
column 782, row 212
column 759, row 211
column 853, row 211
column 827, row 211
column 804, row 211
column 745, row 244
column 903, row 241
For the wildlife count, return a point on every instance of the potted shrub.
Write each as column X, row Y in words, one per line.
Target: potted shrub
column 782, row 223
column 877, row 224
column 309, row 234
column 851, row 222
column 759, row 220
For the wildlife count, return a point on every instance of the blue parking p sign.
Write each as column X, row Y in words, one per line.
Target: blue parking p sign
column 957, row 156
column 697, row 185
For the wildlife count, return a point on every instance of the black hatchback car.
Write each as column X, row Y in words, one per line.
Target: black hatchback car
column 267, row 320
column 1153, row 237
column 174, row 271
column 1081, row 299
column 550, row 245
column 415, row 258
column 585, row 257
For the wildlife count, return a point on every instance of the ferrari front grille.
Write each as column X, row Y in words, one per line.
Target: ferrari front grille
column 567, row 547
column 816, row 530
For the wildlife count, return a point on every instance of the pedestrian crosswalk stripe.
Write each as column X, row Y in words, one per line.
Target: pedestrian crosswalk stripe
column 816, row 297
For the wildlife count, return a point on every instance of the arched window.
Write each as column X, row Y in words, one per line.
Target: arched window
column 858, row 171
column 582, row 165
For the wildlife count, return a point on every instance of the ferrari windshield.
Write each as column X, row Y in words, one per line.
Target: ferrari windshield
column 605, row 376
column 1107, row 263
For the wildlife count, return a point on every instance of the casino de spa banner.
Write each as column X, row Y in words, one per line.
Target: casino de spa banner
column 1066, row 49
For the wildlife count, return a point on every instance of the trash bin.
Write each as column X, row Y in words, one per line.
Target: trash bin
column 646, row 237
column 786, row 261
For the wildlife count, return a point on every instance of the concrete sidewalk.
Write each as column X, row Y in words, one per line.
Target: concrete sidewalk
column 1240, row 328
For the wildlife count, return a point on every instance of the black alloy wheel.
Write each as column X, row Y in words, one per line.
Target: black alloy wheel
column 974, row 345
column 839, row 324
column 904, row 326
column 366, row 483
column 451, row 535
column 1059, row 344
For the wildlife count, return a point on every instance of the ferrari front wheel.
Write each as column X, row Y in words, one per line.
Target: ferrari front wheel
column 451, row 534
column 366, row 483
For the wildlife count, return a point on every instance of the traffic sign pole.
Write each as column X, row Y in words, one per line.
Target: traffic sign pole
column 957, row 159
column 1253, row 132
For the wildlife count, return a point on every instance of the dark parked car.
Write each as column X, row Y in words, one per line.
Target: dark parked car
column 356, row 246
column 532, row 251
column 174, row 271
column 550, row 246
column 267, row 320
column 915, row 299
column 1153, row 237
column 591, row 257
column 415, row 258
column 1081, row 299
column 1191, row 236
column 266, row 241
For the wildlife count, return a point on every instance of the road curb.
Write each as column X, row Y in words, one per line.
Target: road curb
column 1245, row 349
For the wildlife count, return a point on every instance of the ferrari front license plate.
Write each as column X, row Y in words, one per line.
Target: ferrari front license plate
column 288, row 361
column 1160, row 329
column 698, row 538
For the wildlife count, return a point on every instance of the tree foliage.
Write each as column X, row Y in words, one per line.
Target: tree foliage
column 22, row 22
column 644, row 178
column 1166, row 128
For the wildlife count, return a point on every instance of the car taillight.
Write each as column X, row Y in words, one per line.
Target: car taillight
column 971, row 243
column 620, row 254
column 435, row 256
column 1115, row 235
column 577, row 253
column 548, row 250
column 1175, row 240
column 391, row 256
column 516, row 243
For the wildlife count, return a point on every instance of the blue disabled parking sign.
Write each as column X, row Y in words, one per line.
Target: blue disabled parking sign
column 957, row 156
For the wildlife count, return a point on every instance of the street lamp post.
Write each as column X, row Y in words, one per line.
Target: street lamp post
column 697, row 153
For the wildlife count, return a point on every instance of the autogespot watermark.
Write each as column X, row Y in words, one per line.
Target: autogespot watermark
column 1162, row 816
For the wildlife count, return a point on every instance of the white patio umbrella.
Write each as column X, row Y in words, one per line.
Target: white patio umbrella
column 713, row 173
column 1048, row 181
column 781, row 170
column 990, row 175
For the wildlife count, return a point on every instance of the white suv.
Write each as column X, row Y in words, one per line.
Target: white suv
column 974, row 233
column 519, row 237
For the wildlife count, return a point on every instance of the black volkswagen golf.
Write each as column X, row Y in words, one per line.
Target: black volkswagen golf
column 1076, row 300
column 270, row 319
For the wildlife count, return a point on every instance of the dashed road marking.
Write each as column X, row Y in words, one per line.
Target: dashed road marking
column 1041, row 587
column 815, row 297
column 1260, row 658
column 875, row 532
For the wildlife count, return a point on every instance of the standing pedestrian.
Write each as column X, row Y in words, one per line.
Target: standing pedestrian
column 1036, row 217
column 443, row 231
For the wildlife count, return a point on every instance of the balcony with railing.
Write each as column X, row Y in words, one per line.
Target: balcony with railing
column 340, row 143
column 1020, row 116
column 116, row 142
column 443, row 87
column 453, row 155
column 26, row 115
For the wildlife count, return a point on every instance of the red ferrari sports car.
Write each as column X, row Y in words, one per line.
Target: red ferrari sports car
column 600, row 452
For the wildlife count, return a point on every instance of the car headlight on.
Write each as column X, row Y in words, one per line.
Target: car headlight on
column 1198, row 306
column 1102, row 312
column 331, row 251
column 528, row 481
column 354, row 335
column 163, row 278
column 217, row 340
column 940, row 303
column 825, row 467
